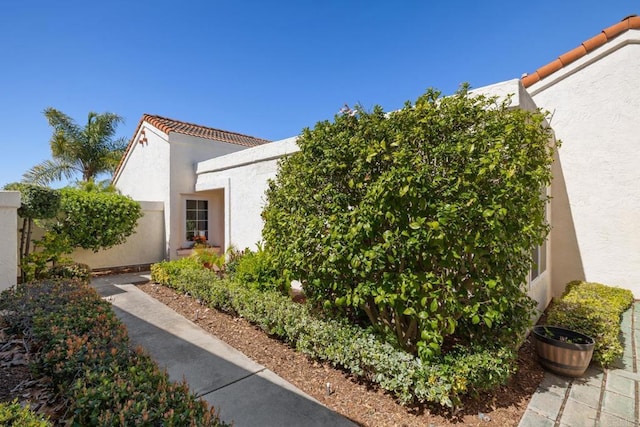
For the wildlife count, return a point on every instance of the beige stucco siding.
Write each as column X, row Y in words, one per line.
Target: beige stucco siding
column 596, row 105
column 9, row 204
column 243, row 177
column 145, row 246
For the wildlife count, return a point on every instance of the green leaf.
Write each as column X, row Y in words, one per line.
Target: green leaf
column 409, row 311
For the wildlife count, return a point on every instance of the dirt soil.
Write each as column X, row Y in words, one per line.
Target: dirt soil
column 362, row 402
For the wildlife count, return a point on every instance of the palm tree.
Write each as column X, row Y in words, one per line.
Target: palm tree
column 89, row 150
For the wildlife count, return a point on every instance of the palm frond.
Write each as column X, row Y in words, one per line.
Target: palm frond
column 90, row 150
column 49, row 171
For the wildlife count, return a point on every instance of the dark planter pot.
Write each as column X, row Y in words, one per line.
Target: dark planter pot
column 563, row 351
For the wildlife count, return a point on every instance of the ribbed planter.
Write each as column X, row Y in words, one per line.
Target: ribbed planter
column 563, row 351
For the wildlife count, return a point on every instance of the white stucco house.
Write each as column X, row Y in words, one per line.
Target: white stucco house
column 159, row 166
column 204, row 174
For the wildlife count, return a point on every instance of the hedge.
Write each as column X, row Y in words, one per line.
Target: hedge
column 595, row 310
column 461, row 371
column 84, row 349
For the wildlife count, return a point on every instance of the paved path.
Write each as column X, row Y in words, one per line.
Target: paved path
column 239, row 388
column 606, row 398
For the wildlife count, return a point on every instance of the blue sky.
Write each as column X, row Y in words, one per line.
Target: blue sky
column 266, row 69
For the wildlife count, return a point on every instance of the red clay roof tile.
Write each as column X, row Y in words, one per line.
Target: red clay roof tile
column 572, row 55
column 609, row 33
column 167, row 126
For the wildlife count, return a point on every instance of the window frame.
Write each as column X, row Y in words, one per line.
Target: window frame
column 188, row 235
column 540, row 254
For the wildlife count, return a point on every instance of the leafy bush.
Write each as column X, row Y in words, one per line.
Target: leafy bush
column 208, row 258
column 106, row 398
column 594, row 310
column 364, row 354
column 424, row 218
column 95, row 220
column 36, row 201
column 76, row 270
column 85, row 350
column 257, row 270
column 14, row 415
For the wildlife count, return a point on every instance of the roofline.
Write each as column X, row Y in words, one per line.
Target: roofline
column 154, row 120
column 631, row 22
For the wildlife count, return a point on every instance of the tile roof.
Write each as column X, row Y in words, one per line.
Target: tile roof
column 629, row 23
column 168, row 125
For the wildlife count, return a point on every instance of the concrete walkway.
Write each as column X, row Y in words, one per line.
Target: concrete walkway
column 242, row 391
column 607, row 398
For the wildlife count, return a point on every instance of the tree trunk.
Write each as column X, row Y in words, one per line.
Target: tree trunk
column 23, row 235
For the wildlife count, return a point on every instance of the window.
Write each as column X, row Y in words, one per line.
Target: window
column 197, row 223
column 539, row 254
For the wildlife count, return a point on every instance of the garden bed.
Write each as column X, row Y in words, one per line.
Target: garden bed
column 360, row 401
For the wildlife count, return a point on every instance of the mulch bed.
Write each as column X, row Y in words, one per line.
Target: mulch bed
column 360, row 401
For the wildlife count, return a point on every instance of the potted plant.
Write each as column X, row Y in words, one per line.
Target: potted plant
column 563, row 351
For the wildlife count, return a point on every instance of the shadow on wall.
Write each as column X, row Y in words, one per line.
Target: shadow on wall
column 566, row 261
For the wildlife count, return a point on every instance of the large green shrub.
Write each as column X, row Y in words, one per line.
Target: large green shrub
column 424, row 218
column 443, row 381
column 594, row 310
column 95, row 220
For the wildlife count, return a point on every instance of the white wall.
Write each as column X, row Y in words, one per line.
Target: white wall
column 145, row 246
column 161, row 168
column 243, row 176
column 9, row 204
column 144, row 175
column 595, row 103
column 186, row 152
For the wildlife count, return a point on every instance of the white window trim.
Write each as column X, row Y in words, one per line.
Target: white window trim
column 183, row 226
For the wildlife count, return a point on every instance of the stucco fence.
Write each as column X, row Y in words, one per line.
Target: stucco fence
column 9, row 204
column 146, row 246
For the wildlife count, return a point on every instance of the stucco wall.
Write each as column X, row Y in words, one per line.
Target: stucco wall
column 186, row 152
column 143, row 176
column 9, row 204
column 596, row 105
column 243, row 176
column 145, row 246
column 161, row 168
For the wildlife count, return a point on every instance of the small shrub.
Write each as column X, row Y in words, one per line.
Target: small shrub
column 208, row 259
column 84, row 349
column 364, row 354
column 78, row 271
column 104, row 398
column 593, row 309
column 256, row 269
column 15, row 415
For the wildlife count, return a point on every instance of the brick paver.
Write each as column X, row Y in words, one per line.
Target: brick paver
column 601, row 398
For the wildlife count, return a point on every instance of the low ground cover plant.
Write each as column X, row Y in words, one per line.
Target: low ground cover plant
column 595, row 310
column 462, row 370
column 81, row 345
column 15, row 415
